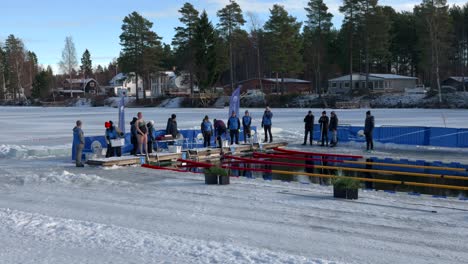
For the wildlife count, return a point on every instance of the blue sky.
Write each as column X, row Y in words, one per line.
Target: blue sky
column 95, row 24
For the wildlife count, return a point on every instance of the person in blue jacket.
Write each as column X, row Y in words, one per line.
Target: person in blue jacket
column 112, row 133
column 246, row 123
column 207, row 131
column 266, row 124
column 78, row 142
column 234, row 127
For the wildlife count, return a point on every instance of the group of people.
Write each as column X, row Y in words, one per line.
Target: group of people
column 219, row 129
column 326, row 124
column 142, row 133
column 331, row 125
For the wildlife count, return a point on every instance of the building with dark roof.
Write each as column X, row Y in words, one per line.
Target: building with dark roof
column 457, row 82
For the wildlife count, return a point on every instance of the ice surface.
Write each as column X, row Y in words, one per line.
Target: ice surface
column 53, row 212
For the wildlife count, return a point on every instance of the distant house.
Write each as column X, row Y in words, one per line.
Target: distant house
column 456, row 82
column 79, row 87
column 273, row 85
column 161, row 83
column 377, row 83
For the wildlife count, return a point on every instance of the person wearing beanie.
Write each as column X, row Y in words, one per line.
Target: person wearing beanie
column 309, row 127
column 219, row 131
column 151, row 138
column 369, row 125
column 266, row 124
column 112, row 133
column 234, row 126
column 324, row 121
column 246, row 123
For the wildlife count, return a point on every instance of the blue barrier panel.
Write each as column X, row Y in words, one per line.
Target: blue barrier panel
column 402, row 135
column 443, row 137
column 462, row 138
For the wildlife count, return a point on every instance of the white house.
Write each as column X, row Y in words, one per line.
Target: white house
column 377, row 83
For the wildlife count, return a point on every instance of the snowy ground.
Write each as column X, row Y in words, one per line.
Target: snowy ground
column 52, row 212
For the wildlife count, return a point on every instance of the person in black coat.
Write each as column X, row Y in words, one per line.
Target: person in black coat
column 323, row 121
column 171, row 128
column 309, row 127
column 369, row 129
column 333, row 129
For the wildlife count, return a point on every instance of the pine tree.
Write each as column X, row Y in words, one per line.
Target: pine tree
column 403, row 44
column 41, row 85
column 183, row 41
column 136, row 40
column 285, row 43
column 317, row 27
column 230, row 20
column 86, row 65
column 206, row 53
column 3, row 73
column 15, row 59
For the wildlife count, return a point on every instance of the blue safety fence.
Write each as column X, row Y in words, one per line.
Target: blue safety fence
column 422, row 136
column 191, row 138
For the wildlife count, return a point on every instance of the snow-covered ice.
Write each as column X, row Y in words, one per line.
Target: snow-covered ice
column 53, row 212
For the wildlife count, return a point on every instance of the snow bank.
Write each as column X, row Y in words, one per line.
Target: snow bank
column 31, row 152
column 155, row 246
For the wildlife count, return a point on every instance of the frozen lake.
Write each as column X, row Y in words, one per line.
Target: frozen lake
column 53, row 212
column 39, row 125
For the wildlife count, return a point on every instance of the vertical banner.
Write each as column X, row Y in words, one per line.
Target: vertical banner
column 234, row 103
column 122, row 114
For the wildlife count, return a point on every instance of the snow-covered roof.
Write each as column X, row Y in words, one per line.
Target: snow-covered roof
column 80, row 80
column 119, row 77
column 459, row 78
column 373, row 76
column 286, row 80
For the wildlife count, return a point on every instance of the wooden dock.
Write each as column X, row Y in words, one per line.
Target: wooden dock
column 134, row 160
column 191, row 154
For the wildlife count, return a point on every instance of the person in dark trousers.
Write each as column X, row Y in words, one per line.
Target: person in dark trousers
column 151, row 138
column 368, row 130
column 266, row 124
column 333, row 129
column 219, row 131
column 133, row 136
column 207, row 131
column 323, row 121
column 171, row 128
column 246, row 123
column 78, row 141
column 309, row 127
column 112, row 133
column 234, row 126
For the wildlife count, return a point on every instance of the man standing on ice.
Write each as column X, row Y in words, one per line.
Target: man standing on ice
column 323, row 121
column 78, row 141
column 246, row 122
column 369, row 129
column 234, row 126
column 333, row 128
column 309, row 127
column 266, row 124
